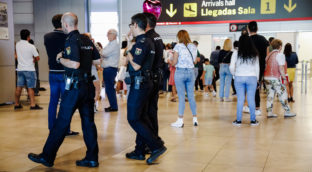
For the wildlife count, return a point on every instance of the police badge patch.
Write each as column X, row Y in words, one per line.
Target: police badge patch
column 68, row 50
column 138, row 51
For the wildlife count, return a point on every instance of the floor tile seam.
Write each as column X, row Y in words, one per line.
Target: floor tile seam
column 265, row 164
column 221, row 148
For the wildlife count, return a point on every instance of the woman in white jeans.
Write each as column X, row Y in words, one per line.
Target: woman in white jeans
column 184, row 57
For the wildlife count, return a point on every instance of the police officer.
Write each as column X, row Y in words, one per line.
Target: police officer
column 156, row 69
column 140, row 57
column 152, row 106
column 79, row 53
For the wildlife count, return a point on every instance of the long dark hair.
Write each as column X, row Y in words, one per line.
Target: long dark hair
column 288, row 50
column 246, row 49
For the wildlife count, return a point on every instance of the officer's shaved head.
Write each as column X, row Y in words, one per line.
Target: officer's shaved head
column 70, row 19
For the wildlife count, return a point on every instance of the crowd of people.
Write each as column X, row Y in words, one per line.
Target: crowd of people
column 78, row 65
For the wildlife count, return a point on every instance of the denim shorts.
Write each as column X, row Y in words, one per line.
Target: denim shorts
column 26, row 78
column 208, row 81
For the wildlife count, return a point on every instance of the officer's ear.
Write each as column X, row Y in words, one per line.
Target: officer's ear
column 135, row 25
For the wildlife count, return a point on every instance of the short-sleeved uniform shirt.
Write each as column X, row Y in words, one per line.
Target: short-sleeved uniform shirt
column 79, row 48
column 143, row 52
column 159, row 49
column 186, row 58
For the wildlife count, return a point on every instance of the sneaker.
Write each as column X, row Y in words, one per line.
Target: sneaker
column 271, row 115
column 254, row 123
column 178, row 124
column 227, row 100
column 246, row 109
column 214, row 94
column 36, row 107
column 289, row 114
column 257, row 112
column 18, row 107
column 195, row 122
column 237, row 123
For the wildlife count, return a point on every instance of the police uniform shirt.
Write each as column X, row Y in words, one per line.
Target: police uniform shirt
column 78, row 48
column 143, row 52
column 159, row 49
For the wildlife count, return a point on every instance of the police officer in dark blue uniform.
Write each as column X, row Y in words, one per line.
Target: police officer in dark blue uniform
column 140, row 58
column 152, row 106
column 79, row 54
column 156, row 69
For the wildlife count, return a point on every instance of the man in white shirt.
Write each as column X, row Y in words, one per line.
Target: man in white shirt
column 27, row 55
column 110, row 55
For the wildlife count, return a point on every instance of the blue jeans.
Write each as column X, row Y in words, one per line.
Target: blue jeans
column 184, row 79
column 26, row 78
column 57, row 87
column 109, row 75
column 248, row 85
column 225, row 80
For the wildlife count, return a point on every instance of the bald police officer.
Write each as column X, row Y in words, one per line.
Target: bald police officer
column 141, row 57
column 79, row 54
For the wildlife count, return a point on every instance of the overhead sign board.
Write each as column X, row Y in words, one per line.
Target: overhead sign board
column 176, row 12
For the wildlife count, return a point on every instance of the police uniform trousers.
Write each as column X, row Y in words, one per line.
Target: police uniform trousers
column 137, row 105
column 151, row 117
column 82, row 99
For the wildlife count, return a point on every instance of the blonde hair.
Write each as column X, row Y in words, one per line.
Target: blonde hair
column 184, row 37
column 227, row 46
column 276, row 44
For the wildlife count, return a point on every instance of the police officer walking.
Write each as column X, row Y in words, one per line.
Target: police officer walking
column 140, row 57
column 156, row 69
column 152, row 106
column 79, row 55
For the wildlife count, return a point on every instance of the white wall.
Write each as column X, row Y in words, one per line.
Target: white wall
column 304, row 46
column 7, row 62
column 23, row 16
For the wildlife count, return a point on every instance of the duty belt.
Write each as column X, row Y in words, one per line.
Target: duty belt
column 147, row 74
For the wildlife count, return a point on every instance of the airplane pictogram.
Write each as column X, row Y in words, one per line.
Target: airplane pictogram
column 189, row 8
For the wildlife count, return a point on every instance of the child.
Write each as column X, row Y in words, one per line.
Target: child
column 207, row 77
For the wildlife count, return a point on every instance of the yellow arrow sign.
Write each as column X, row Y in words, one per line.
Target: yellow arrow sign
column 172, row 12
column 290, row 7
